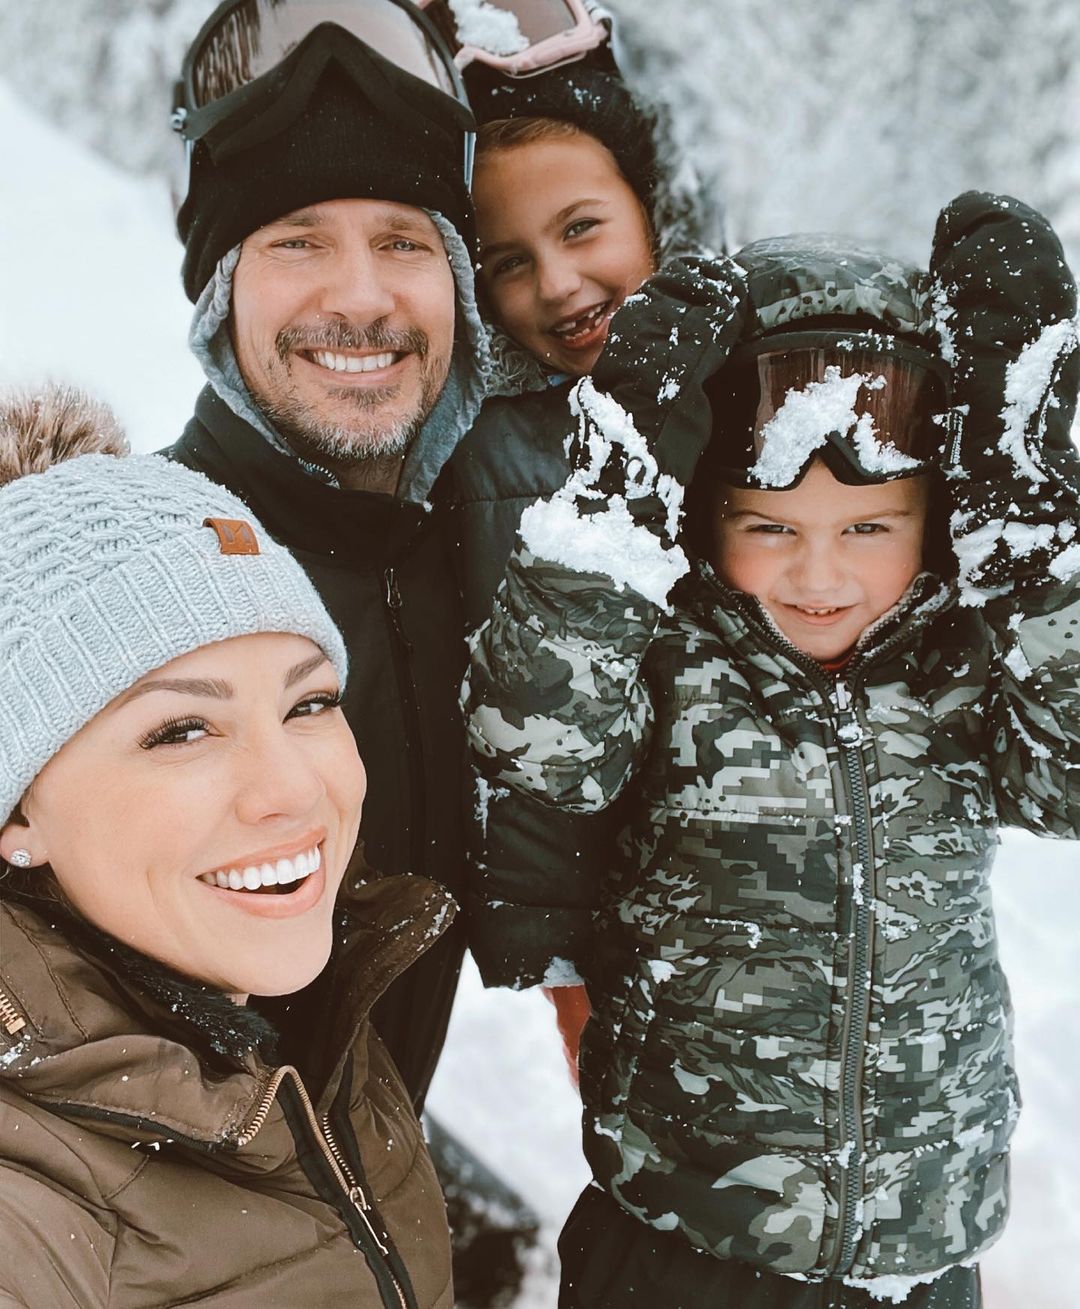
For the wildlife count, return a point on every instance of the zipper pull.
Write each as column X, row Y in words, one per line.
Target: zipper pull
column 359, row 1199
column 393, row 603
column 393, row 595
column 848, row 730
column 12, row 1020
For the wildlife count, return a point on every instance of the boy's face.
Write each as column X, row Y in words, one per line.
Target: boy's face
column 563, row 241
column 825, row 559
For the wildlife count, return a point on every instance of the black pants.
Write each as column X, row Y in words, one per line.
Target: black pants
column 612, row 1261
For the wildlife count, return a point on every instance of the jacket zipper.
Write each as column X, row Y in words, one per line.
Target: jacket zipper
column 351, row 1157
column 323, row 1137
column 381, row 1264
column 857, row 998
column 413, row 736
column 857, row 992
column 13, row 1021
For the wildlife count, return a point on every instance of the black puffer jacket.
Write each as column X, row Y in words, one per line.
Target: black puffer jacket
column 384, row 569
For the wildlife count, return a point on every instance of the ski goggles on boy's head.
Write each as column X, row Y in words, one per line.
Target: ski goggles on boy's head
column 869, row 405
column 253, row 67
column 517, row 37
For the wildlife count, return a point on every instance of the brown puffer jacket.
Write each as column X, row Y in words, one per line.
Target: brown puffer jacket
column 140, row 1168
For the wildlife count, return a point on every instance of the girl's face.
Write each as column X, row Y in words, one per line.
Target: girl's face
column 231, row 764
column 563, row 241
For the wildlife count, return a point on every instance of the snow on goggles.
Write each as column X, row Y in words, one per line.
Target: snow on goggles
column 518, row 37
column 254, row 63
column 872, row 406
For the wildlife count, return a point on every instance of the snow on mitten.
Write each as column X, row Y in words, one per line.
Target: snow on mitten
column 643, row 422
column 1006, row 308
column 646, row 391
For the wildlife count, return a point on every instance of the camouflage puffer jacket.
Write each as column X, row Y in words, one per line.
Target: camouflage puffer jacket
column 801, row 1049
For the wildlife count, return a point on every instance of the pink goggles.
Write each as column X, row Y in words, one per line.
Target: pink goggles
column 517, row 37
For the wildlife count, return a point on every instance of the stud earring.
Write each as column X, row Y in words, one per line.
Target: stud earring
column 21, row 858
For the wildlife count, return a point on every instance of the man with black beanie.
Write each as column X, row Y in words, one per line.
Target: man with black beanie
column 328, row 240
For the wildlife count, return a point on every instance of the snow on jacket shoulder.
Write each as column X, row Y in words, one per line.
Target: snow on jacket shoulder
column 138, row 1167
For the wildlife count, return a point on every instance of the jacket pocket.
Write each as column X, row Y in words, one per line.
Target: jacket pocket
column 736, row 1046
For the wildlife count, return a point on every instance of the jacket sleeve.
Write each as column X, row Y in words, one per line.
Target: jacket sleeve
column 556, row 704
column 556, row 707
column 1007, row 306
column 539, row 871
column 535, row 883
column 535, row 874
column 52, row 1251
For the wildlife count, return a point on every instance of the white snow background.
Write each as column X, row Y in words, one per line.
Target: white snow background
column 90, row 293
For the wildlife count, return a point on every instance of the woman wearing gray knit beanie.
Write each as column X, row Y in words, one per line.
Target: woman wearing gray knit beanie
column 179, row 799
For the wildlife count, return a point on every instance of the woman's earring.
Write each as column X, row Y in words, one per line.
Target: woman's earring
column 21, row 858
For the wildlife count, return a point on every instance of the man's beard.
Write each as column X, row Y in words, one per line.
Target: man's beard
column 340, row 443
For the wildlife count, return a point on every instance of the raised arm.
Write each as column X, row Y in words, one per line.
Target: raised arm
column 1007, row 308
column 555, row 702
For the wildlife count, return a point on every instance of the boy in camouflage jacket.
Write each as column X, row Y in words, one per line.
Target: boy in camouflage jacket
column 799, row 1061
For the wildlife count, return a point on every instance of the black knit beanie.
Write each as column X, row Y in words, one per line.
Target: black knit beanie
column 342, row 146
column 593, row 100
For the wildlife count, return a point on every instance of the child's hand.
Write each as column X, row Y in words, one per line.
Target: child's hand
column 643, row 421
column 572, row 1012
column 1006, row 307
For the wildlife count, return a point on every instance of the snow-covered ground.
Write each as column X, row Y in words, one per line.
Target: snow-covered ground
column 90, row 292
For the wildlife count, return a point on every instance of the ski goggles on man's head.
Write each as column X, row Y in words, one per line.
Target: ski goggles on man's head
column 254, row 64
column 518, row 37
column 871, row 406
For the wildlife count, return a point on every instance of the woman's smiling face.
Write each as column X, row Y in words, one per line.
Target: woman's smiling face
column 563, row 241
column 231, row 766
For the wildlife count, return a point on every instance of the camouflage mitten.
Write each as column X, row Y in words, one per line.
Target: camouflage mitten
column 643, row 421
column 1006, row 306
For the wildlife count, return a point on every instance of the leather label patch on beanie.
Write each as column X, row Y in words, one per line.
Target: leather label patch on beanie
column 234, row 536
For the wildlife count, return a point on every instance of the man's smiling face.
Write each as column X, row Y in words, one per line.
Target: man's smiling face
column 343, row 327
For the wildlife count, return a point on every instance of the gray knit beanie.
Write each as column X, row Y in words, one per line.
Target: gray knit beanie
column 111, row 567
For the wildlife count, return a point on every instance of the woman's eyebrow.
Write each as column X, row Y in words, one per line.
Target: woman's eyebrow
column 299, row 671
column 212, row 688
